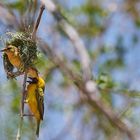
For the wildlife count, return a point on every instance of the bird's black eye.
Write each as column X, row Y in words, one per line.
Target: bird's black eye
column 9, row 48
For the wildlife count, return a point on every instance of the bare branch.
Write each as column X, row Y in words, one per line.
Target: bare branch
column 73, row 36
column 18, row 137
column 23, row 94
column 89, row 93
column 42, row 7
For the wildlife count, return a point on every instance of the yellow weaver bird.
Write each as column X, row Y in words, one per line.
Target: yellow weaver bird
column 13, row 56
column 35, row 96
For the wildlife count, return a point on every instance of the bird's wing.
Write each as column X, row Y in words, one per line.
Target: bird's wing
column 40, row 101
column 8, row 67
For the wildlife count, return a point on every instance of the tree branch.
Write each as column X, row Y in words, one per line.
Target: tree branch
column 88, row 89
column 42, row 7
column 18, row 137
column 73, row 36
column 87, row 86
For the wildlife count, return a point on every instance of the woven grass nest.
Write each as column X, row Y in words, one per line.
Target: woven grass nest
column 27, row 49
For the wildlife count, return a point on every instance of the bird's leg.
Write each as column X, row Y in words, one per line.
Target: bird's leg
column 17, row 73
column 14, row 74
column 10, row 74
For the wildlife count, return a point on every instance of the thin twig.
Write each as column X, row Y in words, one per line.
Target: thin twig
column 18, row 137
column 23, row 94
column 42, row 7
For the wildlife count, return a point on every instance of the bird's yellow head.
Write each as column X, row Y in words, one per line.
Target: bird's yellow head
column 10, row 49
column 32, row 72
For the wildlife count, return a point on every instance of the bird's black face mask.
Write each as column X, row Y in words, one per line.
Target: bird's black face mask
column 33, row 80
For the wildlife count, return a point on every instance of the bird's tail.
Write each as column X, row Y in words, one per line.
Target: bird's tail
column 38, row 126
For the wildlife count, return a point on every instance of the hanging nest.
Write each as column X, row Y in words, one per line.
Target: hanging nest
column 27, row 49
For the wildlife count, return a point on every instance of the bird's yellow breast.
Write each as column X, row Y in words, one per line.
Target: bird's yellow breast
column 31, row 100
column 15, row 60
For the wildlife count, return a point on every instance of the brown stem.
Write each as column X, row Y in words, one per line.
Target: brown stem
column 23, row 94
column 42, row 7
column 18, row 137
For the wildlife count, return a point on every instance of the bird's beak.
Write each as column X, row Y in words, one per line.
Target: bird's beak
column 3, row 50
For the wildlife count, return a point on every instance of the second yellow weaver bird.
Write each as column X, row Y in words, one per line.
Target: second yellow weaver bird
column 35, row 96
